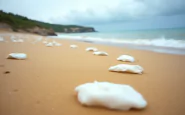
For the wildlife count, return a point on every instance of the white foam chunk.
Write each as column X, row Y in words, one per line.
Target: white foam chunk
column 20, row 56
column 91, row 49
column 110, row 95
column 73, row 46
column 100, row 53
column 127, row 68
column 126, row 58
column 50, row 44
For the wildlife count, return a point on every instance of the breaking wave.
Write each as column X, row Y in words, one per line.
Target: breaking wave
column 158, row 42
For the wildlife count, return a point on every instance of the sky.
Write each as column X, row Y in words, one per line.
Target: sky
column 104, row 15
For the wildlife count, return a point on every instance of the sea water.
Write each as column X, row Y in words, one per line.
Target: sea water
column 159, row 40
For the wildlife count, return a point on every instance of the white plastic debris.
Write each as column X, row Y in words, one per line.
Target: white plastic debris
column 91, row 49
column 127, row 68
column 20, row 56
column 73, row 46
column 100, row 53
column 50, row 44
column 110, row 95
column 126, row 58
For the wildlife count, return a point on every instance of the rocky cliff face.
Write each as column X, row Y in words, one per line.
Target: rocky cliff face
column 18, row 23
column 51, row 32
column 42, row 31
column 5, row 26
column 35, row 30
column 47, row 32
column 79, row 30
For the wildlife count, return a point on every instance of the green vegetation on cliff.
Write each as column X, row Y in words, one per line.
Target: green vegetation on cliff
column 20, row 22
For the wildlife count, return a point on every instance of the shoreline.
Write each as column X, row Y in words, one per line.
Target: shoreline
column 44, row 83
column 157, row 49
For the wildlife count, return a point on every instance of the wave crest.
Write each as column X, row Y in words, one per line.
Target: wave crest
column 160, row 42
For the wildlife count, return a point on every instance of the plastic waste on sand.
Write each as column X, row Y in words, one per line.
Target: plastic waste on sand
column 126, row 58
column 73, row 46
column 19, row 56
column 91, row 49
column 110, row 95
column 127, row 68
column 100, row 53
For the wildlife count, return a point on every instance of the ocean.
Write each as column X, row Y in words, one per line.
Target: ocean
column 158, row 40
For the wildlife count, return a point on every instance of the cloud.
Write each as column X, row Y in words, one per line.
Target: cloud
column 93, row 11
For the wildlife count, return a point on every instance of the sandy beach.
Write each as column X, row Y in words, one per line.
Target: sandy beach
column 44, row 83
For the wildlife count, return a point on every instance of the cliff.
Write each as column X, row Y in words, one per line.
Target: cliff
column 78, row 30
column 19, row 23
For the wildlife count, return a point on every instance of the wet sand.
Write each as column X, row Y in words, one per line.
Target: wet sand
column 44, row 83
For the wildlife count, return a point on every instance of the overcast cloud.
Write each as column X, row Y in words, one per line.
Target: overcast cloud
column 95, row 12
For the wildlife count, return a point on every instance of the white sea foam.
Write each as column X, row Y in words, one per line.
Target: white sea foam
column 159, row 42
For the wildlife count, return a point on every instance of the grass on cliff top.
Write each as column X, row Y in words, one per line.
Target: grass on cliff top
column 21, row 22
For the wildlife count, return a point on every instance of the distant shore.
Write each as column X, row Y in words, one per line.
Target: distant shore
column 44, row 83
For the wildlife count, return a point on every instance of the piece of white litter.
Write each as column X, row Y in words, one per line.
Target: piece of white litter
column 20, row 56
column 100, row 53
column 110, row 95
column 127, row 68
column 50, row 44
column 126, row 58
column 73, row 46
column 91, row 49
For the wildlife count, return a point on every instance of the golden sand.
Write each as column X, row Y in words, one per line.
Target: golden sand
column 44, row 83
